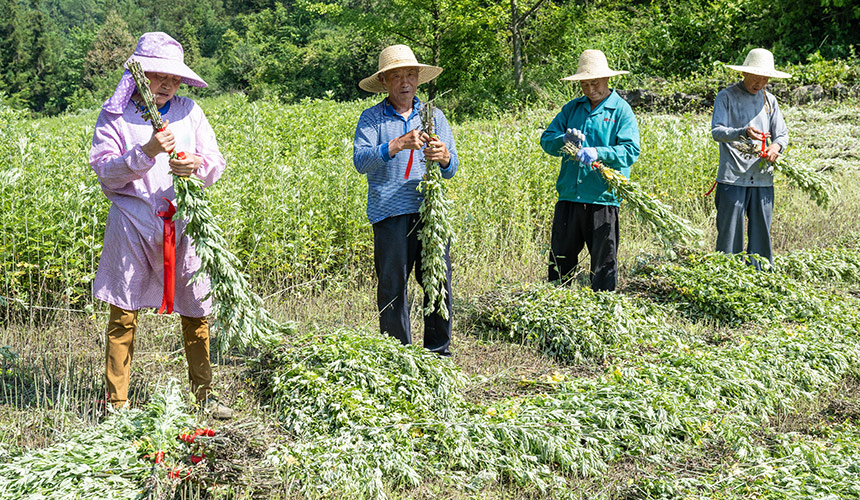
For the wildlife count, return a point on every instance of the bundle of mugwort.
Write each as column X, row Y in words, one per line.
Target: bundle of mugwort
column 671, row 228
column 819, row 187
column 240, row 317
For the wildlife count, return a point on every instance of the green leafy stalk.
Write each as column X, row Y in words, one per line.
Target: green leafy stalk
column 104, row 461
column 239, row 312
column 435, row 230
column 671, row 228
column 818, row 186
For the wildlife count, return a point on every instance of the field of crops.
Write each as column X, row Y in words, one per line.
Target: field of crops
column 701, row 378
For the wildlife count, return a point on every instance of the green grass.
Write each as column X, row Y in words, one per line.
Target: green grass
column 700, row 379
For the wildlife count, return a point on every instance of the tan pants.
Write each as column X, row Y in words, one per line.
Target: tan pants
column 120, row 350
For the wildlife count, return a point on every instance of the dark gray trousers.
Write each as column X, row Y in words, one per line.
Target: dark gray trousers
column 575, row 225
column 735, row 202
column 396, row 250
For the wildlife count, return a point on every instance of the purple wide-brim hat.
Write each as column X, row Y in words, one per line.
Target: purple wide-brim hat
column 156, row 52
column 159, row 53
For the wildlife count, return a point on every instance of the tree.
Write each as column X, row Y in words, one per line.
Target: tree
column 190, row 43
column 517, row 20
column 429, row 27
column 113, row 45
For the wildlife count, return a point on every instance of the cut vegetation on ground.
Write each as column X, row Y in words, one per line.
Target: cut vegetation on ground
column 701, row 378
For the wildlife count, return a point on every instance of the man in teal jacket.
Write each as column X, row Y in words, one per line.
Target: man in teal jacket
column 602, row 125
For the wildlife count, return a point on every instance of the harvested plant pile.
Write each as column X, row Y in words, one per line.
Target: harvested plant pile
column 579, row 326
column 106, row 459
column 676, row 393
column 370, row 418
column 832, row 266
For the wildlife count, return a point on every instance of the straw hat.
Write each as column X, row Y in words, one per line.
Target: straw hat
column 159, row 53
column 759, row 62
column 398, row 56
column 592, row 64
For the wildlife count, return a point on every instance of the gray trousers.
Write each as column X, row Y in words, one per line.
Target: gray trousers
column 735, row 202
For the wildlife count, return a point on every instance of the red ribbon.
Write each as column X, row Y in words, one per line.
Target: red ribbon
column 169, row 257
column 409, row 164
column 713, row 186
column 763, row 143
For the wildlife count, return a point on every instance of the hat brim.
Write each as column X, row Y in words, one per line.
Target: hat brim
column 593, row 76
column 171, row 67
column 770, row 73
column 425, row 74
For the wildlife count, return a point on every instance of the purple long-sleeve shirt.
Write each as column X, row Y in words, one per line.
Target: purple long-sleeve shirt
column 131, row 268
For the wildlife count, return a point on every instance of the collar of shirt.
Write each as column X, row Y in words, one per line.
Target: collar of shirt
column 388, row 109
column 742, row 90
column 610, row 102
column 141, row 108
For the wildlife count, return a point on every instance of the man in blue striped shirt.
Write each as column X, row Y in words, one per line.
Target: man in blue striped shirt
column 391, row 149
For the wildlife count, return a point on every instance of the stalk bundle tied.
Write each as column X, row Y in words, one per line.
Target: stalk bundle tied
column 671, row 228
column 435, row 232
column 239, row 314
column 819, row 187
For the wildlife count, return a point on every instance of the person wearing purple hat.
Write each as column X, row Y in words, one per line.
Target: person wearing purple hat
column 136, row 174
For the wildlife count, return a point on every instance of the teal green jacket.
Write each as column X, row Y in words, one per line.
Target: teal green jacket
column 611, row 129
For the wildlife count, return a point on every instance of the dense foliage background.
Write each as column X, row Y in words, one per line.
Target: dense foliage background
column 57, row 55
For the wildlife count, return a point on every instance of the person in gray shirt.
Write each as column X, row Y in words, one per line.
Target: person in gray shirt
column 745, row 117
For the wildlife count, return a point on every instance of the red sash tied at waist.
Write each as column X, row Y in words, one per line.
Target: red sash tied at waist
column 169, row 257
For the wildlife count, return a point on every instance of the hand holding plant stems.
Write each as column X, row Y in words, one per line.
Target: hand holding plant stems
column 819, row 187
column 436, row 229
column 668, row 226
column 238, row 311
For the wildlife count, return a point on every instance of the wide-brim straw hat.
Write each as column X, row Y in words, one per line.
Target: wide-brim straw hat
column 159, row 53
column 759, row 62
column 398, row 56
column 592, row 64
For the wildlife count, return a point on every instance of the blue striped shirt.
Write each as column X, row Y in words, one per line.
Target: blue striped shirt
column 389, row 192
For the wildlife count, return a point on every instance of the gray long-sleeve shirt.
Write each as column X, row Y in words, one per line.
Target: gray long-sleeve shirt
column 735, row 109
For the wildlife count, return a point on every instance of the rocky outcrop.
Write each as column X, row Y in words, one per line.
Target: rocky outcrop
column 648, row 100
column 677, row 102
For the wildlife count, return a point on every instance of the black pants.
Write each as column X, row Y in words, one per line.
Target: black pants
column 591, row 225
column 396, row 250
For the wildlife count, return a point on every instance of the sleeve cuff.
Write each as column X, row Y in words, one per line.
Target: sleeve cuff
column 384, row 150
column 451, row 164
column 143, row 159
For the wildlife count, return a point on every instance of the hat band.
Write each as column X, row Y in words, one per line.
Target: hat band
column 413, row 62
